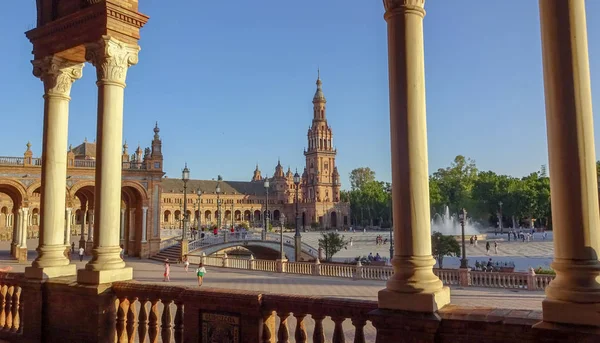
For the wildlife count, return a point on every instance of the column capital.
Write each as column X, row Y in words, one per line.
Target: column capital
column 111, row 58
column 393, row 7
column 57, row 74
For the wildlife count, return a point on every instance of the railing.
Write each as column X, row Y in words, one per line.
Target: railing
column 529, row 281
column 176, row 313
column 36, row 161
column 169, row 242
column 11, row 306
column 84, row 164
column 12, row 161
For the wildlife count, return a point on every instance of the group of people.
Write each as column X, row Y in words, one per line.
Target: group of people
column 525, row 235
column 200, row 271
column 380, row 241
column 375, row 258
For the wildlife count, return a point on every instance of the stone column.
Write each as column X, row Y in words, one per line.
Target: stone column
column 57, row 75
column 122, row 231
column 144, row 223
column 574, row 295
column 90, row 237
column 19, row 224
column 414, row 286
column 83, row 220
column 16, row 239
column 131, row 224
column 111, row 58
column 68, row 227
column 24, row 227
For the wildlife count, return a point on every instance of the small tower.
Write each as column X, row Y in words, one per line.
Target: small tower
column 125, row 155
column 70, row 157
column 279, row 181
column 28, row 155
column 138, row 154
column 154, row 158
column 256, row 177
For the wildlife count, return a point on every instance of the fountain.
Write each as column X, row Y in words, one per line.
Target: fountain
column 450, row 225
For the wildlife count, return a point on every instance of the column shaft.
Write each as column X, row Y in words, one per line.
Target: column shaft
column 414, row 286
column 131, row 224
column 24, row 227
column 83, row 220
column 68, row 227
column 122, row 231
column 574, row 296
column 90, row 237
column 57, row 75
column 111, row 58
column 19, row 225
column 144, row 222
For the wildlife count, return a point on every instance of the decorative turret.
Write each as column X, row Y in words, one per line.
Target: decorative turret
column 138, row 154
column 125, row 155
column 156, row 143
column 279, row 171
column 256, row 177
column 28, row 155
column 71, row 156
column 154, row 157
column 289, row 175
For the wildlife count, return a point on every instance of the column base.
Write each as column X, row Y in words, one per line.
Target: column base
column 41, row 273
column 415, row 302
column 21, row 254
column 571, row 313
column 97, row 277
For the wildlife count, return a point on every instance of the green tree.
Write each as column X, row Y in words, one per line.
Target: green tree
column 456, row 182
column 332, row 243
column 360, row 176
column 443, row 246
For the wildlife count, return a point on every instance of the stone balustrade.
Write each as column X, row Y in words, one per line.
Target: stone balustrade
column 11, row 306
column 37, row 162
column 515, row 280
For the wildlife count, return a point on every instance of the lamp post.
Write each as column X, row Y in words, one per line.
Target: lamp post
column 251, row 217
column 282, row 221
column 500, row 217
column 264, row 236
column 232, row 216
column 297, row 236
column 185, row 177
column 464, row 263
column 199, row 225
column 218, row 191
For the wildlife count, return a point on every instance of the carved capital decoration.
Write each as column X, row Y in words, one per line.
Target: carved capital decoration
column 111, row 58
column 393, row 7
column 57, row 74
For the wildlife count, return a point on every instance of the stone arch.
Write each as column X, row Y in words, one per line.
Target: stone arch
column 207, row 216
column 227, row 215
column 81, row 185
column 16, row 191
column 166, row 216
column 35, row 216
column 247, row 215
column 177, row 215
column 135, row 199
column 257, row 215
column 237, row 215
column 333, row 219
column 276, row 215
column 138, row 187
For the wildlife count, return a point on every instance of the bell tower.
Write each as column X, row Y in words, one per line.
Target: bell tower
column 320, row 179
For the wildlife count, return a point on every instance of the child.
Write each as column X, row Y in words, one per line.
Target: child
column 167, row 270
column 200, row 273
column 186, row 263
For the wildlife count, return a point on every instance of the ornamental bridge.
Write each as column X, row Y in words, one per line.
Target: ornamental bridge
column 262, row 247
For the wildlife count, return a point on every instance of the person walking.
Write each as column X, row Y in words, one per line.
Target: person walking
column 487, row 248
column 81, row 252
column 186, row 263
column 496, row 248
column 72, row 247
column 200, row 273
column 167, row 271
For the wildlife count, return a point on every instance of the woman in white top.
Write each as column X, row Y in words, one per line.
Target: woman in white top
column 200, row 273
column 186, row 262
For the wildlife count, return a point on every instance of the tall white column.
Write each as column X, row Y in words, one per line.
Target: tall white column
column 122, row 231
column 57, row 75
column 131, row 224
column 24, row 227
column 112, row 59
column 144, row 223
column 573, row 297
column 68, row 227
column 19, row 236
column 413, row 286
column 83, row 220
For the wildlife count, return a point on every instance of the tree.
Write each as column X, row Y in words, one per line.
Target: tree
column 444, row 246
column 456, row 182
column 360, row 176
column 332, row 243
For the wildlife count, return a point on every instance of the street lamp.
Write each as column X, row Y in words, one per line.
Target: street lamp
column 500, row 217
column 266, row 209
column 464, row 263
column 199, row 194
column 282, row 221
column 218, row 191
column 185, row 177
column 297, row 183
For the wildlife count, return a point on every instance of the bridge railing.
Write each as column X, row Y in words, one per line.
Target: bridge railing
column 520, row 280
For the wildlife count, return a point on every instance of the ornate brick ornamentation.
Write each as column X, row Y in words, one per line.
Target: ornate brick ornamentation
column 111, row 58
column 58, row 74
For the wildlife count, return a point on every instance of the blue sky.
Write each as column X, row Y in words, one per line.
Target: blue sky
column 231, row 83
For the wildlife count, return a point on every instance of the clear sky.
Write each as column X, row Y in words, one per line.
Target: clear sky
column 231, row 82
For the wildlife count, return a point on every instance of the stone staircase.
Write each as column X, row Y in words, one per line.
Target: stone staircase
column 172, row 253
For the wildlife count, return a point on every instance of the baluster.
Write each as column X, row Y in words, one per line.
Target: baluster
column 359, row 329
column 166, row 321
column 132, row 321
column 300, row 332
column 143, row 321
column 318, row 334
column 3, row 292
column 8, row 307
column 179, row 322
column 20, row 328
column 338, row 330
column 266, row 334
column 121, row 315
column 283, row 334
column 153, row 321
column 15, row 310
